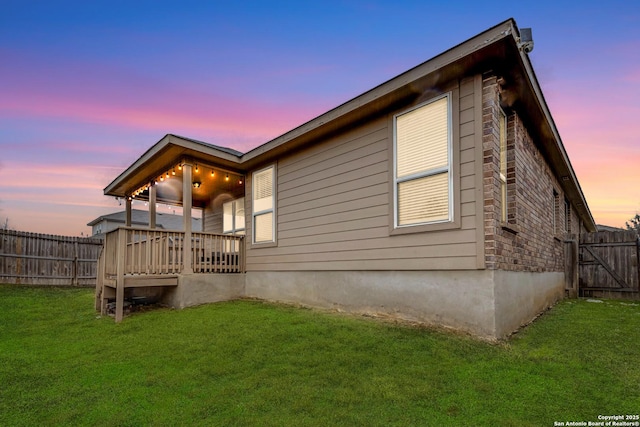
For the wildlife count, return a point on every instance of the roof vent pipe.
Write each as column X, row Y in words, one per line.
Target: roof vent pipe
column 526, row 40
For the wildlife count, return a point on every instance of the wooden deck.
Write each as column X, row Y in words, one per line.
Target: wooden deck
column 141, row 257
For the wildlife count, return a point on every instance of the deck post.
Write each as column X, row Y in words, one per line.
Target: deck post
column 121, row 253
column 152, row 205
column 127, row 222
column 187, row 200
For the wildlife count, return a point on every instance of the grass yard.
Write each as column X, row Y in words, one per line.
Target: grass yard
column 258, row 364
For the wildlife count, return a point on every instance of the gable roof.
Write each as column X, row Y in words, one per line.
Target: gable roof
column 497, row 49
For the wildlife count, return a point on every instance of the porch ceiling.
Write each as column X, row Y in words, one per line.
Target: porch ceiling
column 169, row 189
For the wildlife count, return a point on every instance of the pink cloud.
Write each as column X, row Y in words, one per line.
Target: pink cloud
column 151, row 104
column 633, row 76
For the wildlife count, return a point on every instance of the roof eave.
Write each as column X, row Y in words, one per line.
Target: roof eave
column 382, row 94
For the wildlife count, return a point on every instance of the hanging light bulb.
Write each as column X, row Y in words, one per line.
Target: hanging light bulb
column 213, row 173
column 196, row 168
column 180, row 167
column 167, row 174
column 174, row 171
column 226, row 178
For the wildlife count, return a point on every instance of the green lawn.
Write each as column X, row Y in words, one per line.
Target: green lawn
column 258, row 364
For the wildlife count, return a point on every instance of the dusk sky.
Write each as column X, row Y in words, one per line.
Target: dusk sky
column 86, row 87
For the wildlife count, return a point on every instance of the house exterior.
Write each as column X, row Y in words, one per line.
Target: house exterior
column 105, row 223
column 441, row 196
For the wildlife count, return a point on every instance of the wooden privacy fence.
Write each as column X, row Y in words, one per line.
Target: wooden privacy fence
column 42, row 259
column 609, row 264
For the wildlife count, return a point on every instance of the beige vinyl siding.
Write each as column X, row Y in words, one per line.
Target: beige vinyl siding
column 333, row 205
column 212, row 219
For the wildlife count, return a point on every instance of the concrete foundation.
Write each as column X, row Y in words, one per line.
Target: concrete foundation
column 489, row 304
column 485, row 303
column 196, row 289
column 521, row 296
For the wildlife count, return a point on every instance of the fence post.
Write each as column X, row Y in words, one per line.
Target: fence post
column 74, row 279
column 19, row 258
column 121, row 264
column 638, row 258
column 571, row 273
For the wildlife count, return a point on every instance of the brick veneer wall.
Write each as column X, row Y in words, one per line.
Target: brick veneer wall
column 528, row 240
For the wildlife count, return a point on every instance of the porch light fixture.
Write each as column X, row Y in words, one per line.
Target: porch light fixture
column 213, row 173
column 240, row 181
column 196, row 184
column 226, row 178
column 196, row 167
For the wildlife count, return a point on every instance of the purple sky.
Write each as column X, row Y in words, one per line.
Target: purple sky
column 87, row 86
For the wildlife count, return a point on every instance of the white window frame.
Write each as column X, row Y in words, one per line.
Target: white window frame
column 234, row 229
column 432, row 172
column 271, row 210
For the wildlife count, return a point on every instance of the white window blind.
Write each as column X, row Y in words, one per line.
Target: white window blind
column 263, row 190
column 263, row 228
column 227, row 217
column 263, row 205
column 422, row 164
column 422, row 139
column 239, row 214
column 424, row 200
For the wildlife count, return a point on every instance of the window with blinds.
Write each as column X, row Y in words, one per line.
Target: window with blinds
column 503, row 165
column 262, row 205
column 423, row 164
column 233, row 217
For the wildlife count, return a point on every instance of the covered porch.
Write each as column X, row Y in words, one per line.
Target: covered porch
column 139, row 261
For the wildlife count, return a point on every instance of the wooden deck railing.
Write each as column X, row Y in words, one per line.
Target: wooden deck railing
column 144, row 257
column 144, row 251
column 217, row 253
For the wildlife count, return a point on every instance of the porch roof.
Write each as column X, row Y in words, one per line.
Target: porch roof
column 166, row 157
